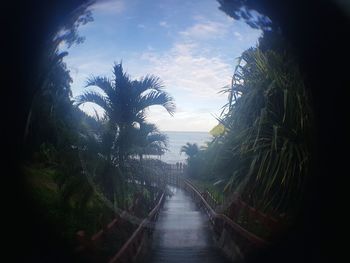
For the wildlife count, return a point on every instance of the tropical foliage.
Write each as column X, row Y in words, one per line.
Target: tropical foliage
column 125, row 102
column 149, row 141
column 264, row 153
column 190, row 149
column 84, row 166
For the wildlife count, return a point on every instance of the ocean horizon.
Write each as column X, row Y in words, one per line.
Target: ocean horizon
column 177, row 139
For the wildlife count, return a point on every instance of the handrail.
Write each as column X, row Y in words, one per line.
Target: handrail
column 90, row 244
column 100, row 233
column 86, row 242
column 248, row 235
column 236, row 227
column 135, row 241
column 128, row 244
column 212, row 212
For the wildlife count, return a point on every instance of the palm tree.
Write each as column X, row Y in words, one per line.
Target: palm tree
column 190, row 149
column 125, row 102
column 100, row 164
column 149, row 141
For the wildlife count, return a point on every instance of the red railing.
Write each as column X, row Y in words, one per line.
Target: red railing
column 89, row 247
column 131, row 249
column 239, row 211
column 91, row 244
column 239, row 208
column 223, row 225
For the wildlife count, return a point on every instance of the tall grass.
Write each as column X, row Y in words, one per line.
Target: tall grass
column 268, row 136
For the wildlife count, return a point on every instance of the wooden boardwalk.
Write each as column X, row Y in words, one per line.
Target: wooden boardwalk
column 182, row 233
column 184, row 227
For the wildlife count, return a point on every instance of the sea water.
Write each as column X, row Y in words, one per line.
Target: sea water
column 178, row 139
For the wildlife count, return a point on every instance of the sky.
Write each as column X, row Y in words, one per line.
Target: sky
column 191, row 46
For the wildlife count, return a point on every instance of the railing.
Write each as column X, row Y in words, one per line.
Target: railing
column 232, row 238
column 89, row 248
column 132, row 248
column 238, row 209
column 210, row 199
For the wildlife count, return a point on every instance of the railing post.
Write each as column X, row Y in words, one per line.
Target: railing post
column 85, row 244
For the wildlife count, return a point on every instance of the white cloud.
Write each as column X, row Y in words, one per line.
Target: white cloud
column 184, row 48
column 238, row 35
column 196, row 74
column 206, row 30
column 194, row 77
column 199, row 18
column 108, row 6
column 82, row 67
column 141, row 26
column 183, row 121
column 164, row 24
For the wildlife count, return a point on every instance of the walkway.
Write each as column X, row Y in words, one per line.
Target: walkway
column 183, row 233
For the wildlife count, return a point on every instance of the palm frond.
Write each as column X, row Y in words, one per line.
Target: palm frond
column 122, row 80
column 103, row 83
column 158, row 138
column 149, row 82
column 96, row 98
column 154, row 98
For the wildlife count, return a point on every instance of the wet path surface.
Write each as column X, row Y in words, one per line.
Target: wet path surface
column 183, row 233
